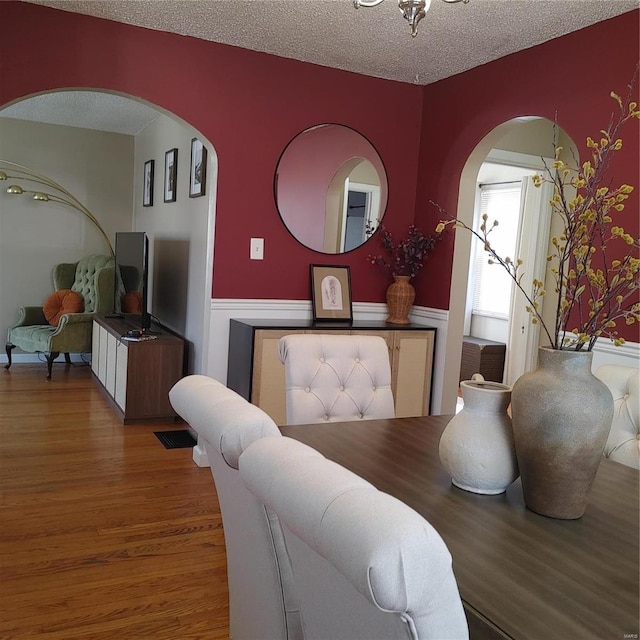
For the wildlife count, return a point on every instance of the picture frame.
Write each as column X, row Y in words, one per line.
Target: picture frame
column 198, row 169
column 147, row 189
column 170, row 175
column 331, row 292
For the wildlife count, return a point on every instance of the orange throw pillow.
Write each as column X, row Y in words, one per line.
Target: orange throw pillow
column 61, row 302
column 132, row 302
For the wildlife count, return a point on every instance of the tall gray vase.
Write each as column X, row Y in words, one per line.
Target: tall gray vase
column 561, row 420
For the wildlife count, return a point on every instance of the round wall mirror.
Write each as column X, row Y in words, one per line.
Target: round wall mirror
column 330, row 188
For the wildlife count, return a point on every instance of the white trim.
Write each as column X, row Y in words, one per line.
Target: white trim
column 605, row 352
column 427, row 313
column 200, row 456
column 439, row 319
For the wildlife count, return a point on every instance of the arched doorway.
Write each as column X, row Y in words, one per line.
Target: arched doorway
column 181, row 233
column 534, row 136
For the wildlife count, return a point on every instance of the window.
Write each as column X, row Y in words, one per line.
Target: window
column 492, row 285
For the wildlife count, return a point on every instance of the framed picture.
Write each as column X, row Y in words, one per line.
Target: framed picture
column 198, row 172
column 331, row 292
column 170, row 175
column 147, row 190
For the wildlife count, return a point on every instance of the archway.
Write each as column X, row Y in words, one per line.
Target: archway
column 514, row 135
column 178, row 238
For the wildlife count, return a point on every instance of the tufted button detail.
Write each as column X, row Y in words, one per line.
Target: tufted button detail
column 625, row 396
column 307, row 390
column 374, row 387
column 362, row 415
column 321, row 359
column 341, row 388
column 326, row 417
column 357, row 359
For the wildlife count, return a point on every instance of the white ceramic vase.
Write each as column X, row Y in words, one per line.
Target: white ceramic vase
column 476, row 447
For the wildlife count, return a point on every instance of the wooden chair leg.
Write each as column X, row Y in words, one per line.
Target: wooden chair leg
column 9, row 348
column 50, row 358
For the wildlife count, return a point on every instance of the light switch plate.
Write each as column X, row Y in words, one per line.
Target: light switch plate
column 257, row 249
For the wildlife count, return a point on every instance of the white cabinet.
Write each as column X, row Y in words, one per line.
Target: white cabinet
column 120, row 382
column 113, row 352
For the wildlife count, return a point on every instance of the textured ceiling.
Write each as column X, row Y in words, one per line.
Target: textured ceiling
column 374, row 41
column 452, row 38
column 85, row 109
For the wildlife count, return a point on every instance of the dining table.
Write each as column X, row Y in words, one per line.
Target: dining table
column 521, row 575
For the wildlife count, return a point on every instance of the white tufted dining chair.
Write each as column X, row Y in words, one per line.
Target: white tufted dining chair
column 623, row 444
column 335, row 378
column 367, row 566
column 262, row 599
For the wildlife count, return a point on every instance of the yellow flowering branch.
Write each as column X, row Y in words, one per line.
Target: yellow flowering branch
column 592, row 289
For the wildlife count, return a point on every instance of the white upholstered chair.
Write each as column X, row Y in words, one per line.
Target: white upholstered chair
column 623, row 444
column 367, row 566
column 262, row 600
column 335, row 378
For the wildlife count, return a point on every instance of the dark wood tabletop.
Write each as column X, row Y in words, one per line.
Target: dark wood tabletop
column 521, row 575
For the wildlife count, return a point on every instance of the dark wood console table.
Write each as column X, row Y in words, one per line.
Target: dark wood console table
column 136, row 376
column 256, row 373
column 521, row 575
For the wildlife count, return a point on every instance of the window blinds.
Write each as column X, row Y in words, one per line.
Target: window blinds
column 492, row 285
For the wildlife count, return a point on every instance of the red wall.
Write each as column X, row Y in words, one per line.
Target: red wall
column 570, row 76
column 250, row 105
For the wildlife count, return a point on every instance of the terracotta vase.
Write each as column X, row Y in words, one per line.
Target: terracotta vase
column 561, row 420
column 476, row 447
column 400, row 297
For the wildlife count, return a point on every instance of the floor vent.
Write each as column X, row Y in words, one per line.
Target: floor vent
column 180, row 439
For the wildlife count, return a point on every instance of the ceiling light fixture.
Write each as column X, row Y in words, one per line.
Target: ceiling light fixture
column 412, row 10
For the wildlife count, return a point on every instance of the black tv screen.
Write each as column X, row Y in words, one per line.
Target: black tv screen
column 132, row 272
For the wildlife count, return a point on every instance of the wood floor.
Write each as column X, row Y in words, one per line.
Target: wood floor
column 104, row 533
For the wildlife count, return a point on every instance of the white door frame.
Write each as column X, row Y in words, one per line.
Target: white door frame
column 372, row 212
column 531, row 248
column 460, row 268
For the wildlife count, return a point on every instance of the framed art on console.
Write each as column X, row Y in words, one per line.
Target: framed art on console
column 331, row 292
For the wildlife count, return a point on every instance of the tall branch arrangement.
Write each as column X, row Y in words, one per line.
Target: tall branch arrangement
column 595, row 290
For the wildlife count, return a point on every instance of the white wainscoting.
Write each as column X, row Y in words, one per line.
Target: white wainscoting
column 605, row 352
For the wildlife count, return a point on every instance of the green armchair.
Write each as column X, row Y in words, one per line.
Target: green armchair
column 93, row 278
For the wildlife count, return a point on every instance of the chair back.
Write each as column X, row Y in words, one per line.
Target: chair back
column 366, row 565
column 623, row 444
column 92, row 277
column 335, row 378
column 262, row 601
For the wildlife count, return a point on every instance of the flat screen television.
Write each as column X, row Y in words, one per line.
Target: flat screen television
column 132, row 274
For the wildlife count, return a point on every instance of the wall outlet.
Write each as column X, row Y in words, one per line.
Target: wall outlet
column 257, row 249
